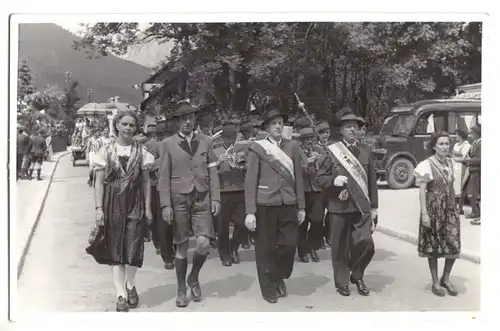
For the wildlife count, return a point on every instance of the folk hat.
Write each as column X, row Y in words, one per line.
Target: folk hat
column 307, row 133
column 301, row 123
column 151, row 128
column 270, row 114
column 349, row 116
column 323, row 126
column 184, row 109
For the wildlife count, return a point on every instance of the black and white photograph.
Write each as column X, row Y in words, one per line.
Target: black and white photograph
column 245, row 166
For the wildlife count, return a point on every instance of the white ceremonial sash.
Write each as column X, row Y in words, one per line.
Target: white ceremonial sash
column 277, row 153
column 352, row 165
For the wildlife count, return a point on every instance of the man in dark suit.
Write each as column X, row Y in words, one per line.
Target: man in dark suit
column 189, row 196
column 310, row 232
column 23, row 142
column 274, row 204
column 232, row 179
column 37, row 149
column 348, row 174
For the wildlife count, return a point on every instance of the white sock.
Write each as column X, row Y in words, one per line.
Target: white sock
column 119, row 280
column 131, row 272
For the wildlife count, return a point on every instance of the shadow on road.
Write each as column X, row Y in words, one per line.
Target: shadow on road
column 382, row 255
column 457, row 281
column 377, row 282
column 157, row 295
column 306, row 285
column 227, row 287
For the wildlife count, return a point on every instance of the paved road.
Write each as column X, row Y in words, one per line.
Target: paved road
column 58, row 276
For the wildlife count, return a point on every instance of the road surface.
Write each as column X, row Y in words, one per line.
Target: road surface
column 58, row 276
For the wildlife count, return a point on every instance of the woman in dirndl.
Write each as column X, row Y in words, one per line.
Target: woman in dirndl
column 460, row 151
column 123, row 207
column 439, row 229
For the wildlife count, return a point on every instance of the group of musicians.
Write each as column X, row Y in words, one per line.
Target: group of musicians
column 279, row 189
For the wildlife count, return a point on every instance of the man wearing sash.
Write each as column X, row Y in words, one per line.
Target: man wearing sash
column 189, row 197
column 232, row 198
column 274, row 204
column 348, row 174
column 311, row 231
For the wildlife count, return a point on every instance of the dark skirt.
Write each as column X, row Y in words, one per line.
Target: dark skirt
column 473, row 185
column 123, row 232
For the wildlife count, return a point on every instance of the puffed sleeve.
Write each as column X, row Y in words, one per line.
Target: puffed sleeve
column 100, row 159
column 423, row 172
column 148, row 159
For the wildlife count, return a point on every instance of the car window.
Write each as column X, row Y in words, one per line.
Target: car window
column 465, row 121
column 430, row 123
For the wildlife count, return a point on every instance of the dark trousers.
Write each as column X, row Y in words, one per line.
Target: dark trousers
column 232, row 211
column 311, row 230
column 352, row 245
column 162, row 233
column 275, row 245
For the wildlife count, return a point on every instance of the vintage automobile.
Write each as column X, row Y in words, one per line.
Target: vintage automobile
column 400, row 145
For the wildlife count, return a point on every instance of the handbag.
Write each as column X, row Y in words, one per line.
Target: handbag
column 98, row 248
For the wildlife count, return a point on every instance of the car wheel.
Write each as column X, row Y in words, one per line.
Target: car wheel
column 401, row 174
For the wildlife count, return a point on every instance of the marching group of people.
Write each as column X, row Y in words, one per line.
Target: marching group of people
column 288, row 195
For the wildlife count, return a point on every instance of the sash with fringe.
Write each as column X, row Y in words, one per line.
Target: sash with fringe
column 357, row 182
column 276, row 158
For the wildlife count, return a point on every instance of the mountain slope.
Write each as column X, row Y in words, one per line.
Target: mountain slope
column 48, row 50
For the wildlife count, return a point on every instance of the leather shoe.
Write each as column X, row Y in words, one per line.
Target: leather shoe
column 181, row 300
column 344, row 291
column 133, row 298
column 304, row 259
column 169, row 265
column 282, row 292
column 195, row 291
column 245, row 246
column 236, row 257
column 227, row 263
column 314, row 256
column 271, row 300
column 360, row 284
column 449, row 288
column 121, row 304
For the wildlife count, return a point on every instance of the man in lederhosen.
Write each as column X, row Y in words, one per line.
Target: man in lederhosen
column 37, row 148
column 348, row 173
column 311, row 231
column 232, row 181
column 189, row 197
column 274, row 204
column 323, row 129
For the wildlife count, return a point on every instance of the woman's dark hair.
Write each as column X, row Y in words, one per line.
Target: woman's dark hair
column 434, row 139
column 122, row 114
column 462, row 134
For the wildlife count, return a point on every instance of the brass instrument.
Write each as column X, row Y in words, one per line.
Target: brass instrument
column 236, row 153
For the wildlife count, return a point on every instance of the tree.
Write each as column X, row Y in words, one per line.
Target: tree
column 25, row 80
column 367, row 66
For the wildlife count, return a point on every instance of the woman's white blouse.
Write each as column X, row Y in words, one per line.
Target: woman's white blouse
column 100, row 158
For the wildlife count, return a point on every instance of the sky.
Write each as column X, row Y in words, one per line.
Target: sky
column 148, row 55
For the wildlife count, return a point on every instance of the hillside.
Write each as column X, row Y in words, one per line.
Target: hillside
column 48, row 50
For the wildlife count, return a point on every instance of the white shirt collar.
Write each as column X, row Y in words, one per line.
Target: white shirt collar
column 188, row 138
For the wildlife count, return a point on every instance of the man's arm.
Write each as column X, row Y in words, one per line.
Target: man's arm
column 299, row 178
column 251, row 183
column 164, row 172
column 326, row 174
column 213, row 173
column 372, row 181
